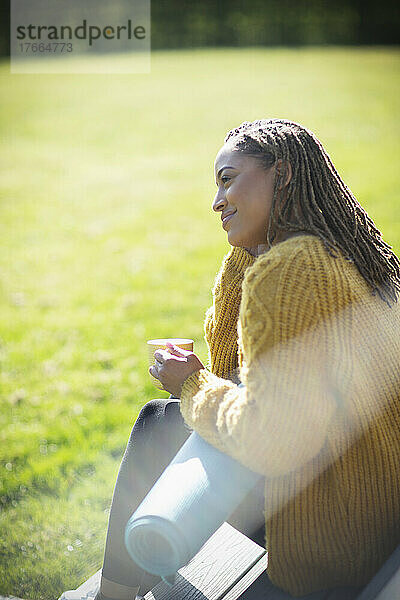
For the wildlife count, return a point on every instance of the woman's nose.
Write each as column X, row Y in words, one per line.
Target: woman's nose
column 219, row 201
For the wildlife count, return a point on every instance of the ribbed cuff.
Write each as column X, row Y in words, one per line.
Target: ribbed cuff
column 192, row 384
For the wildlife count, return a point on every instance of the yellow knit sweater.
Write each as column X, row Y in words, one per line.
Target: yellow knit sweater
column 319, row 413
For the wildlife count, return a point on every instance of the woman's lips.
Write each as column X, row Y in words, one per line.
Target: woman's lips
column 227, row 218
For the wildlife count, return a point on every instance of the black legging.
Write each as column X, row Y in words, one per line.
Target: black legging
column 156, row 437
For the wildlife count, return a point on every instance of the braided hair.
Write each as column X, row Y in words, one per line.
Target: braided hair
column 317, row 200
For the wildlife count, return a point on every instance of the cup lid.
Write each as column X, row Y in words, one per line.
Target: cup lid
column 175, row 341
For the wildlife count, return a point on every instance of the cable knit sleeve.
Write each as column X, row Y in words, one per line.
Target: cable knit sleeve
column 220, row 325
column 278, row 421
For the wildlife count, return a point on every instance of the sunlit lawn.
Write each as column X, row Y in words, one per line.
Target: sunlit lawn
column 108, row 239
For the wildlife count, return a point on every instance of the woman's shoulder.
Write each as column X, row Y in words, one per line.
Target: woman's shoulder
column 304, row 249
column 297, row 251
column 302, row 265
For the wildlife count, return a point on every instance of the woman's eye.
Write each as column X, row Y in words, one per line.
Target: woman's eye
column 225, row 177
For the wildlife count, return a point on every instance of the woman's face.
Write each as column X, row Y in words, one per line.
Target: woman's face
column 244, row 196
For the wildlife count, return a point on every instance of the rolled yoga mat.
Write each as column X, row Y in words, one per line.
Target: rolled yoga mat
column 196, row 493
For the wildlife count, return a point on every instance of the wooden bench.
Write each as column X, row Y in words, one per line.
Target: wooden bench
column 224, row 567
column 229, row 562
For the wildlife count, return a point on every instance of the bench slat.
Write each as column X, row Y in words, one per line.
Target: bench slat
column 247, row 579
column 224, row 567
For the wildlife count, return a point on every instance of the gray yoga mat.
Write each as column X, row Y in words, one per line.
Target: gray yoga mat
column 195, row 494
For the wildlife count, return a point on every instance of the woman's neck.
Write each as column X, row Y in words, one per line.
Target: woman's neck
column 281, row 237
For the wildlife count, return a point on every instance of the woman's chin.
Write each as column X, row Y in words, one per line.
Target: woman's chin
column 235, row 240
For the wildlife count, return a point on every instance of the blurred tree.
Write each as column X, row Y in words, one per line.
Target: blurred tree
column 4, row 27
column 190, row 23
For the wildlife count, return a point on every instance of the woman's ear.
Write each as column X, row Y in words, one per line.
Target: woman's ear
column 280, row 168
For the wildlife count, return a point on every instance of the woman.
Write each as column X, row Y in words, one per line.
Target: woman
column 305, row 315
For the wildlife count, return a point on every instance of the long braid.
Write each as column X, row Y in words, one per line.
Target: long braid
column 318, row 201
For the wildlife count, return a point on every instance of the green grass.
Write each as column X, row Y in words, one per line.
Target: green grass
column 109, row 239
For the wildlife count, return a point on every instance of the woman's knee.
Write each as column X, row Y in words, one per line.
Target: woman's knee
column 152, row 409
column 155, row 413
column 157, row 435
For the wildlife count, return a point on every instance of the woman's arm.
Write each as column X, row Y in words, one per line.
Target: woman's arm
column 220, row 325
column 279, row 420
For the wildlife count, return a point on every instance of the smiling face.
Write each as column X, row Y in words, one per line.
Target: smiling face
column 245, row 192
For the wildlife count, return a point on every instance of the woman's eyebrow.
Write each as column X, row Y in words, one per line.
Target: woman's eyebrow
column 222, row 168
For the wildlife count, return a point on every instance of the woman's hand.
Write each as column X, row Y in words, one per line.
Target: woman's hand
column 173, row 366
